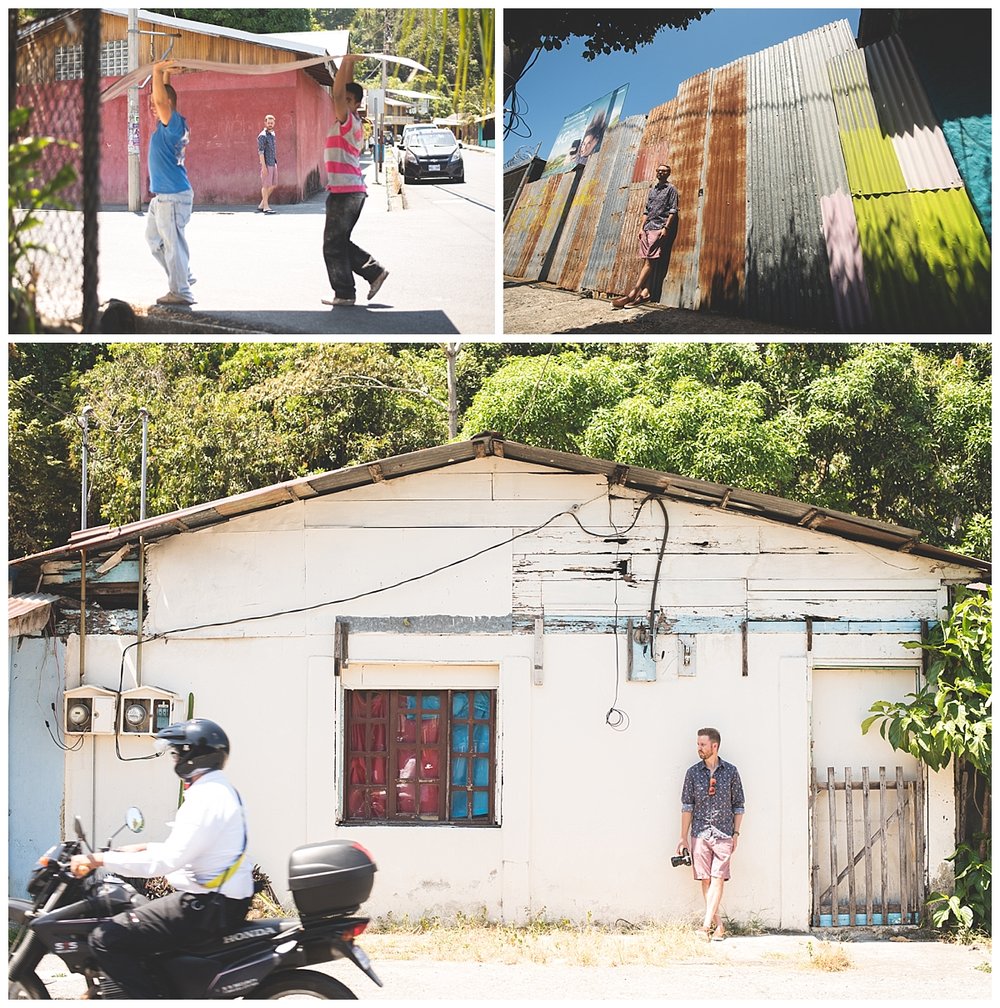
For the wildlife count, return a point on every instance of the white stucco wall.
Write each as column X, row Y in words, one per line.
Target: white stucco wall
column 589, row 815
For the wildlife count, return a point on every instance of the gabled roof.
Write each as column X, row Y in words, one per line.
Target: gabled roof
column 295, row 42
column 669, row 485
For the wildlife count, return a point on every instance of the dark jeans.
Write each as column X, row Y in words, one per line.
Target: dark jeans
column 342, row 257
column 175, row 921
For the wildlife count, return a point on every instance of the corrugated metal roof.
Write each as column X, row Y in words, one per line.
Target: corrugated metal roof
column 670, row 485
column 28, row 613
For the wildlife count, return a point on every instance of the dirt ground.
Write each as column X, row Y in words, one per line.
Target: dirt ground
column 541, row 309
column 738, row 970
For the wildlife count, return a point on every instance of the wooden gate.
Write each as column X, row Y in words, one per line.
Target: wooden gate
column 868, row 848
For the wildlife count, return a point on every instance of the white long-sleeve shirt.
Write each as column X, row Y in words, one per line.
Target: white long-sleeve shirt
column 207, row 837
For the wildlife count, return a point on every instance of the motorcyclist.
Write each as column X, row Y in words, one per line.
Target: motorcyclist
column 204, row 858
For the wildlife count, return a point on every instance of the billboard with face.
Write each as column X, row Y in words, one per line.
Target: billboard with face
column 583, row 131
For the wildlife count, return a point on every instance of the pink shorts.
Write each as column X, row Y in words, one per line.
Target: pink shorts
column 268, row 174
column 710, row 857
column 650, row 247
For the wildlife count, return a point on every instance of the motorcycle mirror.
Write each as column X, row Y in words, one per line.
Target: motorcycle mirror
column 134, row 819
column 80, row 832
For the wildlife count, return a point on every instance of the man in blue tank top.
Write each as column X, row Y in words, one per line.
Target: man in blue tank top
column 173, row 199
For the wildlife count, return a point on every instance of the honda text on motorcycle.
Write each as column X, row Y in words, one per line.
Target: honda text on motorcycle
column 260, row 959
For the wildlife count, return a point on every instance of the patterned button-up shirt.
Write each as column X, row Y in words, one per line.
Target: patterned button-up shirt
column 267, row 145
column 712, row 813
column 660, row 201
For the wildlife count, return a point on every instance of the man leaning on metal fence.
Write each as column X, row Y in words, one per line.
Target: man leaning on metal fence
column 173, row 198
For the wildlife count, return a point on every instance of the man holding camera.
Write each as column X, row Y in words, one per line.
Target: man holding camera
column 711, row 814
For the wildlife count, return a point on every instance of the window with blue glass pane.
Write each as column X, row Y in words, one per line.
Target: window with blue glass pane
column 471, row 755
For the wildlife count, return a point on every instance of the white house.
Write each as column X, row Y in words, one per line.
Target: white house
column 488, row 662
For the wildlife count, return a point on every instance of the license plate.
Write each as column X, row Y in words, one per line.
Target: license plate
column 361, row 957
column 434, row 167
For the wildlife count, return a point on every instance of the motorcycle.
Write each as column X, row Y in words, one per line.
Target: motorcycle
column 261, row 959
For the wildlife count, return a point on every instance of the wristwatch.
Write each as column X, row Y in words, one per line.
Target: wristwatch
column 736, row 832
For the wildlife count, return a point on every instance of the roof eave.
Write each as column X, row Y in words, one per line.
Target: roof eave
column 489, row 443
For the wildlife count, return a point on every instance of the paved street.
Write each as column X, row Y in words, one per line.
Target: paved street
column 738, row 971
column 265, row 274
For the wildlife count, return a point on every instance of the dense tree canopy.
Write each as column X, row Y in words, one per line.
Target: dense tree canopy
column 893, row 431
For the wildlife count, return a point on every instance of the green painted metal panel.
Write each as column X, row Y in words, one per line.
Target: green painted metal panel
column 927, row 262
column 872, row 164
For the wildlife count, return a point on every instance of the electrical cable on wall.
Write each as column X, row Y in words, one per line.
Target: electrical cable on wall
column 571, row 512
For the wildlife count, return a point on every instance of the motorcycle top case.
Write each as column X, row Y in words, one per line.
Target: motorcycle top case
column 330, row 879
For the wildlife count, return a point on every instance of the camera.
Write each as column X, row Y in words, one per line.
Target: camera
column 683, row 858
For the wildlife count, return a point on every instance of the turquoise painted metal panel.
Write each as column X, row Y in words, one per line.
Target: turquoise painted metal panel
column 927, row 262
column 970, row 139
column 906, row 117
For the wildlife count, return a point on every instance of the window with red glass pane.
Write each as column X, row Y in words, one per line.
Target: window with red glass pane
column 420, row 755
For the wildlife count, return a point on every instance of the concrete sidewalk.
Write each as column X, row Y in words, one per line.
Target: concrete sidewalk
column 260, row 273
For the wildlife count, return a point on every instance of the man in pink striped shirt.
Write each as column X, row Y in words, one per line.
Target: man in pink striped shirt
column 346, row 193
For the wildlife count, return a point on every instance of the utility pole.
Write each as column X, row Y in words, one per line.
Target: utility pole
column 451, row 350
column 132, row 124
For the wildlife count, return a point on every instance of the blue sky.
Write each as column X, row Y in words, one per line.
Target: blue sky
column 562, row 81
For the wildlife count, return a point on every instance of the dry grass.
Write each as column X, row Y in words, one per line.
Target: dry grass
column 539, row 941
column 829, row 957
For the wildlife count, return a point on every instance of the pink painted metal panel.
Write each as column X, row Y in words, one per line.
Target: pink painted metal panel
column 851, row 302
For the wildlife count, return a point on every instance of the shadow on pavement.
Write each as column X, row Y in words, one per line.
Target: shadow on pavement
column 358, row 321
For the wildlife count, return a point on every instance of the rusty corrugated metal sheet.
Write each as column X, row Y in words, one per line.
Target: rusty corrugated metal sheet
column 608, row 238
column 722, row 263
column 787, row 266
column 905, row 115
column 581, row 226
column 533, row 225
column 687, row 162
column 655, row 146
column 927, row 262
column 625, row 266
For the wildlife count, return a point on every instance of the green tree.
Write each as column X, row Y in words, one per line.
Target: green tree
column 227, row 418
column 950, row 720
column 258, row 20
column 43, row 474
column 548, row 400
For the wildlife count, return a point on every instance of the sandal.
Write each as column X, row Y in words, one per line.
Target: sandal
column 621, row 302
column 719, row 934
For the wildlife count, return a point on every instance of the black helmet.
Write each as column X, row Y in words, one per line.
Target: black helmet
column 198, row 744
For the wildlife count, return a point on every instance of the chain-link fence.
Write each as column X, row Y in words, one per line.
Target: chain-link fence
column 56, row 66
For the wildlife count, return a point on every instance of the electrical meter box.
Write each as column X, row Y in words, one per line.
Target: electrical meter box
column 89, row 710
column 147, row 709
